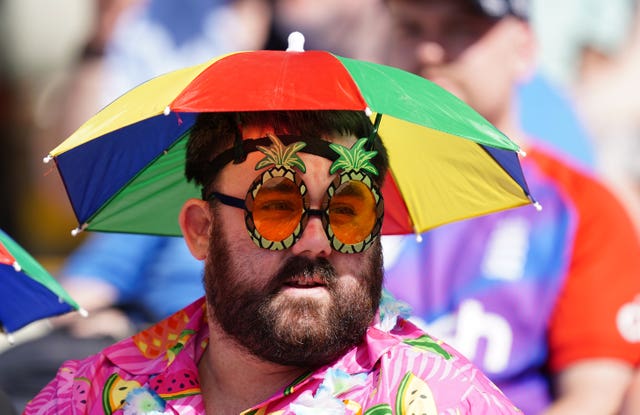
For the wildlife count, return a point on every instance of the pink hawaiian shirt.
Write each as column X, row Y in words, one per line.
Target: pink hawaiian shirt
column 401, row 371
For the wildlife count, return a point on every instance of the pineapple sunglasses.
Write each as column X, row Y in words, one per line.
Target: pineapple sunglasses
column 277, row 206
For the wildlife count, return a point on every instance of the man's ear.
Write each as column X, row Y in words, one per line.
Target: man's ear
column 195, row 222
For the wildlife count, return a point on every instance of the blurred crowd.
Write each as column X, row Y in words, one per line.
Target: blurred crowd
column 54, row 75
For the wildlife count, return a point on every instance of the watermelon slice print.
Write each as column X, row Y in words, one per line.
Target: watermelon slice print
column 80, row 392
column 415, row 397
column 115, row 392
column 177, row 385
column 379, row 409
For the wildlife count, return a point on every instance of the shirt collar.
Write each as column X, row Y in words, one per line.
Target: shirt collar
column 182, row 336
column 190, row 336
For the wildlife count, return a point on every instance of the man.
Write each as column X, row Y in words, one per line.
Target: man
column 521, row 293
column 287, row 321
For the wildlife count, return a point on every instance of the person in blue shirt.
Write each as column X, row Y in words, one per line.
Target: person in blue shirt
column 149, row 277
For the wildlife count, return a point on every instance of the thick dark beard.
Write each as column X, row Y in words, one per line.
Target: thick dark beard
column 284, row 331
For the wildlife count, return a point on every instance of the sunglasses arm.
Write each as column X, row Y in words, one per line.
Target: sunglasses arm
column 227, row 200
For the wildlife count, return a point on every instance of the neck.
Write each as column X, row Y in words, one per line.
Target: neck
column 233, row 380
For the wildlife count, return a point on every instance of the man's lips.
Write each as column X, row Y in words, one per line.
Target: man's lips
column 305, row 281
column 300, row 273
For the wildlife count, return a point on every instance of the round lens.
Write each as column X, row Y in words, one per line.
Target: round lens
column 352, row 212
column 277, row 208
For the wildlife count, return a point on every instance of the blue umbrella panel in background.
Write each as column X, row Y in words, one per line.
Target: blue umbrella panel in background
column 29, row 292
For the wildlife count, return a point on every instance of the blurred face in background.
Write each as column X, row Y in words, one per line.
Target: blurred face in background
column 353, row 28
column 477, row 58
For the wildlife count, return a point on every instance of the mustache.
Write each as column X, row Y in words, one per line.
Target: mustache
column 302, row 266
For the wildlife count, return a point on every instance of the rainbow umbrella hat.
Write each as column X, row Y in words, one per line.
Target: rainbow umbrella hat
column 124, row 168
column 29, row 292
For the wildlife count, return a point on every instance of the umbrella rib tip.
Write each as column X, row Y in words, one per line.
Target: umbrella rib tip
column 418, row 235
column 47, row 159
column 535, row 203
column 79, row 229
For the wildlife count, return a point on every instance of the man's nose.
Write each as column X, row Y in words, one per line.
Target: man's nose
column 313, row 242
column 430, row 52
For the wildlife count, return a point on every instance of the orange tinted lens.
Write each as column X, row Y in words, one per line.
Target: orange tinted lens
column 277, row 209
column 352, row 212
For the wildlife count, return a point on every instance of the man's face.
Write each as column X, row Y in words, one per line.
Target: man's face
column 477, row 58
column 302, row 306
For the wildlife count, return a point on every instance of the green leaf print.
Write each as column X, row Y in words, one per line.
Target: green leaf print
column 427, row 343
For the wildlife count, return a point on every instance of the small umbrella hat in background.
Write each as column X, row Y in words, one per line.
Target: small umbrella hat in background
column 28, row 292
column 123, row 169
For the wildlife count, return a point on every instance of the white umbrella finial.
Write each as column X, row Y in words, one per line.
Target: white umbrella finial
column 296, row 42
